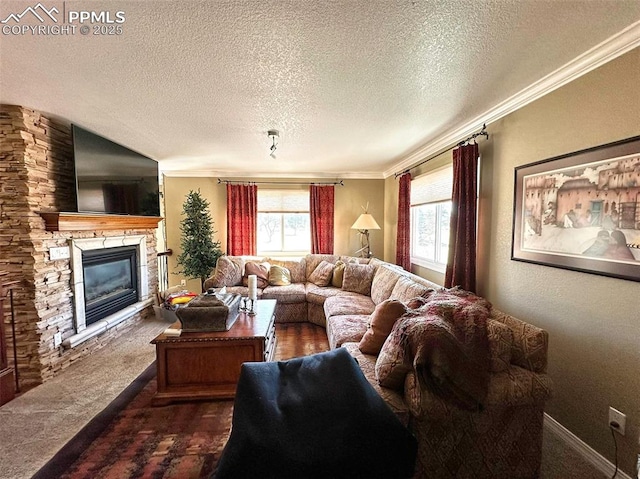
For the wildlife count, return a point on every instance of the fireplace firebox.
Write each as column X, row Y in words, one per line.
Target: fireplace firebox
column 110, row 281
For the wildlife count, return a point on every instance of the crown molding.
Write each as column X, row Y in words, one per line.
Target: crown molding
column 366, row 175
column 613, row 47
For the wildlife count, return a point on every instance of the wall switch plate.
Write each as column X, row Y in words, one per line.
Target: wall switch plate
column 183, row 282
column 619, row 418
column 57, row 340
column 61, row 252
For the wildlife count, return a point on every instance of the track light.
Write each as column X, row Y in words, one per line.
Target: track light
column 273, row 135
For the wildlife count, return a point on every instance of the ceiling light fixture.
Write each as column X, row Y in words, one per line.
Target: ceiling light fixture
column 273, row 135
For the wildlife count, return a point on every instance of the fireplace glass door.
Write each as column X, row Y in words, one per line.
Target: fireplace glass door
column 110, row 281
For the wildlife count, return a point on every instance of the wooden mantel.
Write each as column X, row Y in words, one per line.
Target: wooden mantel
column 62, row 221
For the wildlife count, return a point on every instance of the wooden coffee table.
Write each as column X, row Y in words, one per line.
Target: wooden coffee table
column 206, row 365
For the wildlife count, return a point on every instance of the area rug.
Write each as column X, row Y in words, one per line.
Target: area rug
column 132, row 439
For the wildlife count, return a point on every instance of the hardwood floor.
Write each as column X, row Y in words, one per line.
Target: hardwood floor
column 299, row 339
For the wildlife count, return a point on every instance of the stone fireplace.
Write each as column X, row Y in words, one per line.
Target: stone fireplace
column 36, row 187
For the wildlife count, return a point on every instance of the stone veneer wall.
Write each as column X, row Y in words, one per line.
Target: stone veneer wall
column 37, row 175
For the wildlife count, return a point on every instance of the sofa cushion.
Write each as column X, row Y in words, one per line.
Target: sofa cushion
column 321, row 275
column 317, row 295
column 358, row 278
column 383, row 283
column 292, row 293
column 380, row 325
column 346, row 328
column 261, row 270
column 348, row 304
column 500, row 344
column 313, row 260
column 406, row 289
column 279, row 276
column 338, row 274
column 228, row 272
column 367, row 363
column 297, row 268
column 393, row 362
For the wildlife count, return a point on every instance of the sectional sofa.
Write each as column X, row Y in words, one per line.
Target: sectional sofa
column 501, row 438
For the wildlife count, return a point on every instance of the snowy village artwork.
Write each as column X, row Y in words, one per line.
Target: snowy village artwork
column 581, row 211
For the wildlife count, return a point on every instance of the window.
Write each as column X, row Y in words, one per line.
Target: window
column 430, row 217
column 284, row 226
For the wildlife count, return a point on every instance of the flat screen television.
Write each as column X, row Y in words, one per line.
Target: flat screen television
column 113, row 179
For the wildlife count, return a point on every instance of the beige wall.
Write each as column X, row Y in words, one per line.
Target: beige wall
column 593, row 321
column 348, row 201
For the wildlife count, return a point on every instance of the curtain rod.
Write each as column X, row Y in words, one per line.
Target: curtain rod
column 482, row 132
column 238, row 182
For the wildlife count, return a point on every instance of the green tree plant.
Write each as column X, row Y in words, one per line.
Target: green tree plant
column 199, row 251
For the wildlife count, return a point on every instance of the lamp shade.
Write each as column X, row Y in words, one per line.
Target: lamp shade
column 365, row 222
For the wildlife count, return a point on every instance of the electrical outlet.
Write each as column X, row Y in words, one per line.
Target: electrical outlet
column 57, row 340
column 183, row 282
column 618, row 418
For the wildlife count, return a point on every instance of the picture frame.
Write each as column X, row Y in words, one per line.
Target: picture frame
column 581, row 211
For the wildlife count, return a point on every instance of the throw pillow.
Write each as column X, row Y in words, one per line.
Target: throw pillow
column 279, row 276
column 393, row 362
column 383, row 283
column 321, row 276
column 406, row 289
column 338, row 274
column 228, row 272
column 380, row 325
column 297, row 268
column 358, row 278
column 261, row 270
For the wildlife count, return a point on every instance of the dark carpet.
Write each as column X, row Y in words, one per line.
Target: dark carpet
column 132, row 439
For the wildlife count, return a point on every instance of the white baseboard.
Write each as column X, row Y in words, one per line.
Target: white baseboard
column 582, row 448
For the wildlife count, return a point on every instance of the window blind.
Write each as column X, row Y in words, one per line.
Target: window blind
column 283, row 201
column 432, row 187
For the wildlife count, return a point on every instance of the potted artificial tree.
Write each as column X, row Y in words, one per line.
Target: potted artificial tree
column 199, row 251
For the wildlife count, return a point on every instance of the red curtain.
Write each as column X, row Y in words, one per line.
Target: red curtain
column 242, row 219
column 321, row 209
column 461, row 267
column 403, row 240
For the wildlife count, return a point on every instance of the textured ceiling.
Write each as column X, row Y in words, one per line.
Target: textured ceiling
column 354, row 86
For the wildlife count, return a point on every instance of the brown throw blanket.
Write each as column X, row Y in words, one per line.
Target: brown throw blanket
column 447, row 338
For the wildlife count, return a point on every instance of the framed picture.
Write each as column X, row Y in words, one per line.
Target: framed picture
column 581, row 211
